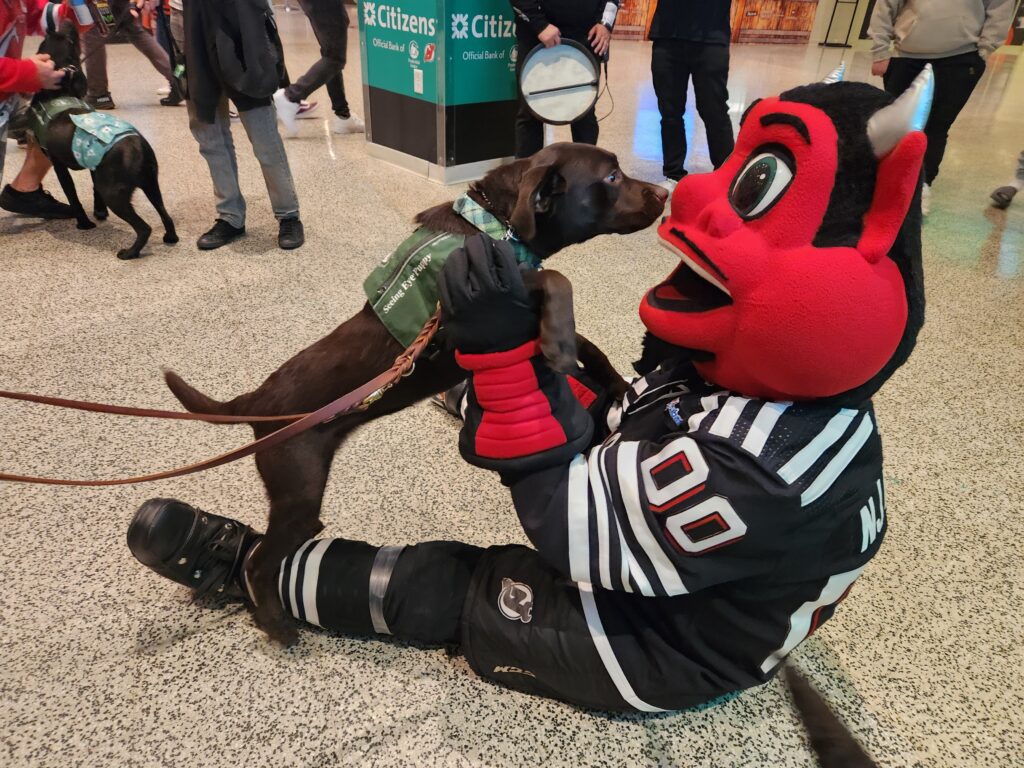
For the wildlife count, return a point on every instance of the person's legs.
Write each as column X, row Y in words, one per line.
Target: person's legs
column 25, row 194
column 529, row 130
column 585, row 130
column 709, row 65
column 94, row 52
column 261, row 126
column 339, row 101
column 955, row 80
column 901, row 74
column 329, row 20
column 517, row 620
column 148, row 46
column 217, row 147
column 670, row 77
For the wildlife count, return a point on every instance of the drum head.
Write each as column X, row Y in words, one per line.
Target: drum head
column 560, row 84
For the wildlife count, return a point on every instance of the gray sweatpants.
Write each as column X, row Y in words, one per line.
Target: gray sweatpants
column 217, row 147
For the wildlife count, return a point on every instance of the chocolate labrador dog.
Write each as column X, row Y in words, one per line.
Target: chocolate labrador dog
column 565, row 194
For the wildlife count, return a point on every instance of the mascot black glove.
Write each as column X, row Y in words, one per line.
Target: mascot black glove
column 521, row 416
column 486, row 306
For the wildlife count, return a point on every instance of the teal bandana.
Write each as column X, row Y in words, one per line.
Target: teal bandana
column 403, row 288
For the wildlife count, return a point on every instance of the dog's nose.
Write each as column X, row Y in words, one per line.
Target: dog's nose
column 660, row 192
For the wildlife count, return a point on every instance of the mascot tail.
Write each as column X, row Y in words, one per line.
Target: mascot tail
column 194, row 400
column 832, row 742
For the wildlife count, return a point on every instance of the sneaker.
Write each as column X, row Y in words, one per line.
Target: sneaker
column 1003, row 196
column 670, row 185
column 306, row 109
column 233, row 113
column 287, row 111
column 39, row 204
column 103, row 101
column 451, row 401
column 219, row 235
column 926, row 199
column 204, row 552
column 291, row 234
column 163, row 90
column 350, row 124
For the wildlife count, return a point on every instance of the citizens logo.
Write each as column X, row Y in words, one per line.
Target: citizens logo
column 414, row 50
column 483, row 25
column 393, row 17
column 460, row 26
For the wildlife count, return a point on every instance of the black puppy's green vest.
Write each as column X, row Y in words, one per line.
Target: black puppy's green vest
column 403, row 288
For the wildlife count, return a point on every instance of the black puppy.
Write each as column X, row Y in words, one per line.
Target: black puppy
column 128, row 165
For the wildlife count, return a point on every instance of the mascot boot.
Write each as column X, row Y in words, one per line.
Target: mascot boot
column 688, row 538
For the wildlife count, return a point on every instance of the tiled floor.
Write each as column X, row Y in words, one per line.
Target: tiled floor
column 104, row 664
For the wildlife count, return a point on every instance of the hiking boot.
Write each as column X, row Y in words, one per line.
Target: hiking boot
column 38, row 204
column 103, row 101
column 202, row 551
column 220, row 234
column 291, row 234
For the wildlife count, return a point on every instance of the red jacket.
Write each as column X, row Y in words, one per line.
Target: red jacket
column 19, row 18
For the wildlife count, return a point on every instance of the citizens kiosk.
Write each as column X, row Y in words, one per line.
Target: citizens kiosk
column 439, row 84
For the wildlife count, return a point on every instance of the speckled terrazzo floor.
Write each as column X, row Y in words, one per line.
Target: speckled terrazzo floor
column 105, row 664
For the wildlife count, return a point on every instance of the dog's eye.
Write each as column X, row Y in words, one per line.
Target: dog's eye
column 761, row 183
column 614, row 176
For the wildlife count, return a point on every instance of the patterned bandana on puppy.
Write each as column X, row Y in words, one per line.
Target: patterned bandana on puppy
column 403, row 288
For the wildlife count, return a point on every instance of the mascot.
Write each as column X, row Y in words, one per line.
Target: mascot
column 692, row 535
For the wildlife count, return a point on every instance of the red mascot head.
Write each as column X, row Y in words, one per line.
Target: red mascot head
column 800, row 258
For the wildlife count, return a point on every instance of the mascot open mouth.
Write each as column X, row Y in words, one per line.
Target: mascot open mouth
column 692, row 286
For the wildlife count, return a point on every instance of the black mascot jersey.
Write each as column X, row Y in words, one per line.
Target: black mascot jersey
column 695, row 499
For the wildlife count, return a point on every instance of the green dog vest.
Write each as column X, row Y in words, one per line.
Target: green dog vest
column 403, row 288
column 95, row 132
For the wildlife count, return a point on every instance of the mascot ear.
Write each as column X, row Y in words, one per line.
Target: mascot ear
column 539, row 187
column 896, row 137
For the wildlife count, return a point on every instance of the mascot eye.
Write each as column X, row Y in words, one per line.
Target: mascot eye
column 760, row 184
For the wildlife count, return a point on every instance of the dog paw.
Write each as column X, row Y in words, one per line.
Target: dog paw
column 101, row 215
column 279, row 628
column 126, row 254
column 170, row 238
column 87, row 224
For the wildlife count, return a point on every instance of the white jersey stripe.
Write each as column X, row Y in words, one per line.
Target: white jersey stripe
column 627, row 560
column 311, row 579
column 725, row 421
column 607, row 653
column 762, row 426
column 601, row 519
column 293, row 577
column 629, row 488
column 708, row 403
column 815, row 449
column 800, row 621
column 839, row 462
column 579, row 520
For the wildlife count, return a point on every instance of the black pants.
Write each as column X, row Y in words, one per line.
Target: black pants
column 673, row 64
column 530, row 130
column 955, row 80
column 329, row 20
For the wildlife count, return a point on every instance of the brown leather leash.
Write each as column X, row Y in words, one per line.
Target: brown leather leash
column 146, row 413
column 357, row 400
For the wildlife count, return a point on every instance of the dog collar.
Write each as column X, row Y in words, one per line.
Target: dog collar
column 493, row 227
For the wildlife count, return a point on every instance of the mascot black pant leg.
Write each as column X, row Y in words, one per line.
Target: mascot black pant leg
column 516, row 619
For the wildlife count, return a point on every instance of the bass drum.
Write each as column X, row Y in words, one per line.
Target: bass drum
column 560, row 84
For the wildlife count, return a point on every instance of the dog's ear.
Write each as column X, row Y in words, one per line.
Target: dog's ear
column 539, row 187
column 67, row 29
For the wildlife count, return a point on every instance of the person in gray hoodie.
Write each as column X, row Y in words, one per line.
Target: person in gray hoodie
column 955, row 37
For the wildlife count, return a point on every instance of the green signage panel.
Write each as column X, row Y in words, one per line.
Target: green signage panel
column 399, row 44
column 480, row 51
column 402, row 45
